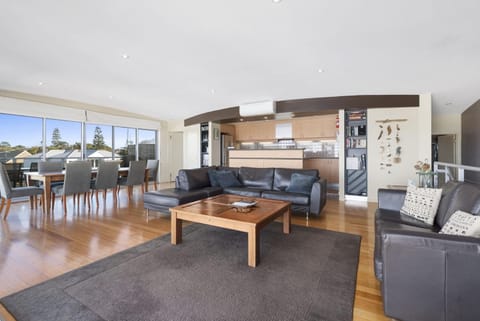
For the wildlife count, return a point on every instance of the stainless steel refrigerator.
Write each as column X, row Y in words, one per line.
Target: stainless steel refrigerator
column 226, row 144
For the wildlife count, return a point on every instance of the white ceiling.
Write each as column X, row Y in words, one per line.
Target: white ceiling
column 188, row 57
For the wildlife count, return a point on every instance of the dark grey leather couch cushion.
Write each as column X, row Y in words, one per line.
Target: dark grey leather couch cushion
column 190, row 179
column 447, row 194
column 464, row 197
column 243, row 191
column 294, row 198
column 261, row 178
column 283, row 176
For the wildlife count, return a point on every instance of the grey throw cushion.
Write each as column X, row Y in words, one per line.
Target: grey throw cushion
column 227, row 179
column 300, row 183
column 212, row 176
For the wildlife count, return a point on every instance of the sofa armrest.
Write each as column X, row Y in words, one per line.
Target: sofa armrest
column 430, row 276
column 391, row 199
column 318, row 196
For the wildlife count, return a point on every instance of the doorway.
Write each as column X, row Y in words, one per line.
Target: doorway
column 175, row 154
column 444, row 150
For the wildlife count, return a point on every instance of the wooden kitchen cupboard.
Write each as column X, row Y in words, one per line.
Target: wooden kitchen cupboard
column 255, row 131
column 323, row 126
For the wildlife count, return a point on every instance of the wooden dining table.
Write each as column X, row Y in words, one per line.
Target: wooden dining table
column 48, row 178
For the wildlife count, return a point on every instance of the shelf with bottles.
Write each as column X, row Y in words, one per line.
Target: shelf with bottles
column 356, row 153
column 357, row 130
column 356, row 142
column 204, row 156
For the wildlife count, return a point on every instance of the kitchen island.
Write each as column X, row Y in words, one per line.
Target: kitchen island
column 284, row 158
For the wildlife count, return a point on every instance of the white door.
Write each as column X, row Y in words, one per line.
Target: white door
column 175, row 154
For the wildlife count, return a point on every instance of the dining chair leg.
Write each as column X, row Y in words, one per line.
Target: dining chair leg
column 96, row 196
column 88, row 201
column 2, row 204
column 64, row 200
column 31, row 202
column 7, row 209
column 143, row 188
column 114, row 192
column 104, row 194
column 53, row 201
column 42, row 202
column 35, row 201
column 130, row 192
column 155, row 185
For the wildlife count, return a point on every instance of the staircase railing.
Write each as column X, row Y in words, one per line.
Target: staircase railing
column 448, row 170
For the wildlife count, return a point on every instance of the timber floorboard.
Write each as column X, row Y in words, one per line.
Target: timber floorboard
column 35, row 247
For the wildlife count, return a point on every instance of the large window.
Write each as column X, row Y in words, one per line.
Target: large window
column 63, row 140
column 98, row 143
column 125, row 144
column 20, row 144
column 147, row 141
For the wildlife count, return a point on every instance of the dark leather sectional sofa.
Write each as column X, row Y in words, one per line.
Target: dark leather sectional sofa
column 194, row 184
column 427, row 276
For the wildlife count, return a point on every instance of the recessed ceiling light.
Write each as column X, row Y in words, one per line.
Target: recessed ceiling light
column 320, row 70
column 212, row 91
column 276, row 1
column 40, row 83
column 125, row 56
column 110, row 97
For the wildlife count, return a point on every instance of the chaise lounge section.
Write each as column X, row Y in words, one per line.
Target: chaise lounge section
column 306, row 191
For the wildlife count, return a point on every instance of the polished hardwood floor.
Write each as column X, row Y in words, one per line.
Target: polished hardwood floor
column 35, row 247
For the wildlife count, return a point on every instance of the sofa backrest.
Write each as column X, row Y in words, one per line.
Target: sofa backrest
column 233, row 169
column 190, row 179
column 283, row 176
column 460, row 196
column 261, row 178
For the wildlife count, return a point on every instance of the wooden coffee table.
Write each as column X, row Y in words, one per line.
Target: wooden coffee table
column 217, row 211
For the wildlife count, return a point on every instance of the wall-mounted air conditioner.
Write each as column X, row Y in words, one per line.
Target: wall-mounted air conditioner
column 259, row 108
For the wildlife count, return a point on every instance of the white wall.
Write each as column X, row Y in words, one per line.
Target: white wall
column 191, row 146
column 451, row 124
column 414, row 140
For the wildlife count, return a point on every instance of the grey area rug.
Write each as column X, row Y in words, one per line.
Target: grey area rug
column 309, row 274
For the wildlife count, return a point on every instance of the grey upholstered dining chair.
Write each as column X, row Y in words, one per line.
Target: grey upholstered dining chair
column 7, row 192
column 49, row 167
column 77, row 180
column 152, row 166
column 136, row 176
column 107, row 178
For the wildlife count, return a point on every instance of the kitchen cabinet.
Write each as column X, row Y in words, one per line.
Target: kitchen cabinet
column 255, row 131
column 327, row 168
column 314, row 127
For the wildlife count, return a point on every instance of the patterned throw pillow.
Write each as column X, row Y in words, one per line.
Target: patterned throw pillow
column 462, row 223
column 422, row 203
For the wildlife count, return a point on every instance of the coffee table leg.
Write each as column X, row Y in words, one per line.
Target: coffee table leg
column 176, row 226
column 253, row 247
column 286, row 221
